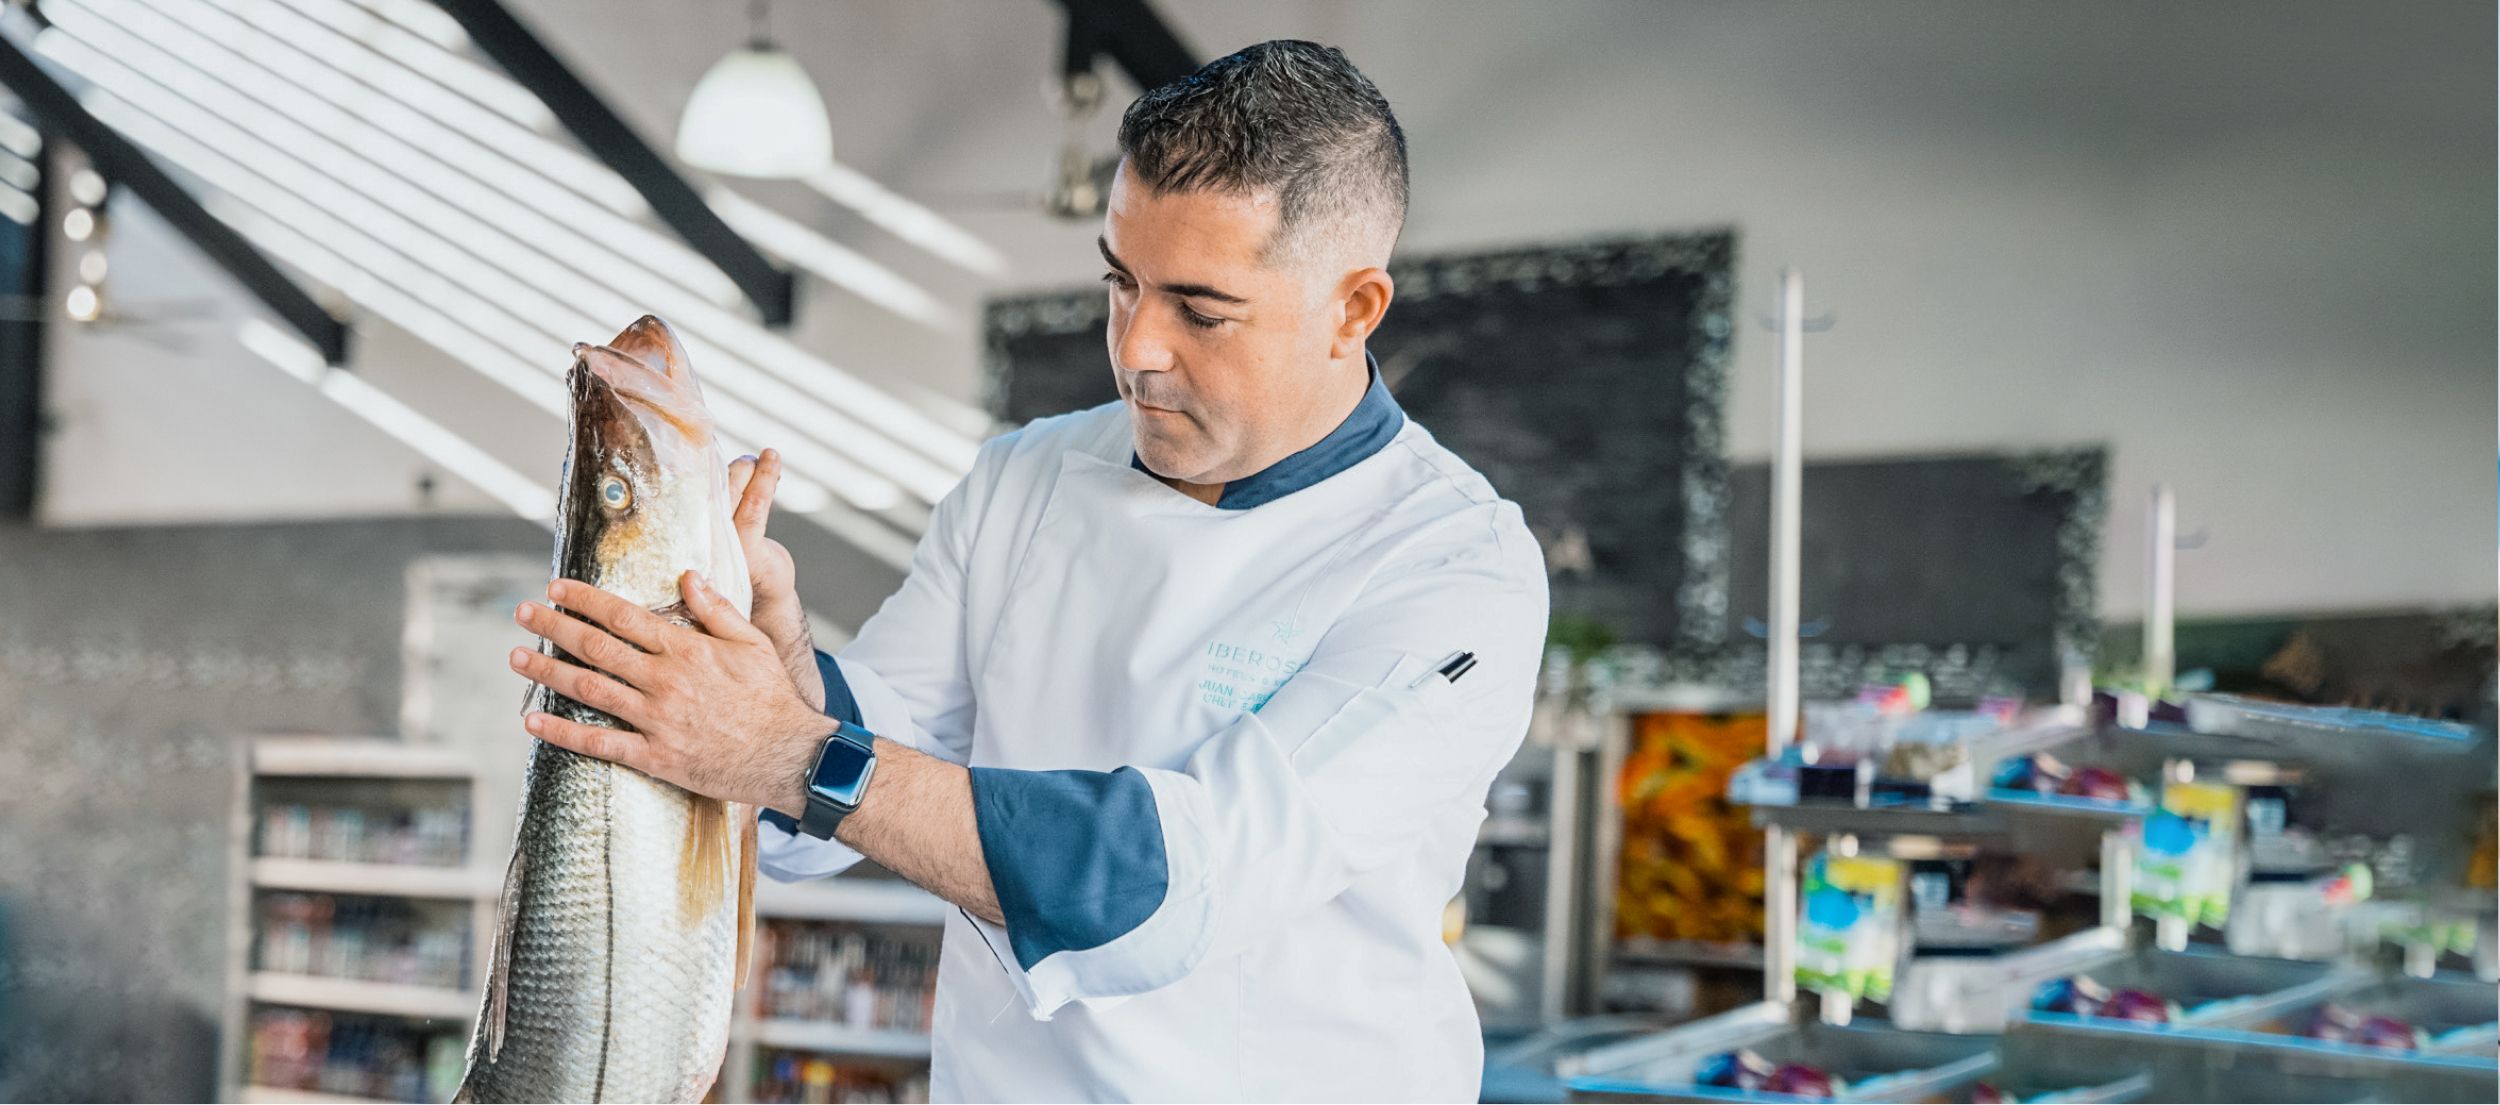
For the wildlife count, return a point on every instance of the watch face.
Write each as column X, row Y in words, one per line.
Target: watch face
column 842, row 773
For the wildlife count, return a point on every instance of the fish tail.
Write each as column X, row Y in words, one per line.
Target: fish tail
column 706, row 858
column 746, row 892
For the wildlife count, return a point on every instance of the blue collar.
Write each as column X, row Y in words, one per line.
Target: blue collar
column 1375, row 420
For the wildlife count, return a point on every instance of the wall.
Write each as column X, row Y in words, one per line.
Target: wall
column 2247, row 245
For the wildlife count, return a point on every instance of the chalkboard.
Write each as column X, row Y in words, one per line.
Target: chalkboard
column 1976, row 570
column 1586, row 381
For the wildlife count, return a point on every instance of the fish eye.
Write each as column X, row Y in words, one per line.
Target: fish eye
column 613, row 494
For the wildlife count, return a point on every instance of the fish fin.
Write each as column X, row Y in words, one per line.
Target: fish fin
column 746, row 894
column 499, row 977
column 706, row 858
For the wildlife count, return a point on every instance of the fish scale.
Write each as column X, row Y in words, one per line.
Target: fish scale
column 627, row 904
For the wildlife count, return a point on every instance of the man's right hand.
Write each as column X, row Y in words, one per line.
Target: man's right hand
column 777, row 612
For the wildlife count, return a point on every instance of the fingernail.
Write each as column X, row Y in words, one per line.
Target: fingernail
column 534, row 722
column 555, row 589
column 750, row 458
column 520, row 656
column 523, row 612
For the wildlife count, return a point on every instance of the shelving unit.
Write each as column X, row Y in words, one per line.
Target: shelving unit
column 837, row 1039
column 354, row 995
column 374, row 879
column 866, row 900
column 350, row 762
column 272, row 1095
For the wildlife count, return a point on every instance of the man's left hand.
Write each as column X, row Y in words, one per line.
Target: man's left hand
column 713, row 707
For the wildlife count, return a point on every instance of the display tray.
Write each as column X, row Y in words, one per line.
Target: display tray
column 2341, row 727
column 2244, row 1014
column 2029, row 1058
column 2457, row 1015
column 2214, row 987
column 1873, row 1060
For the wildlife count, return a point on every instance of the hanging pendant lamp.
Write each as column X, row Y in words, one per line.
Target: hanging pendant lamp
column 756, row 113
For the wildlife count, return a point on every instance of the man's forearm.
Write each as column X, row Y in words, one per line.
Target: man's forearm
column 916, row 820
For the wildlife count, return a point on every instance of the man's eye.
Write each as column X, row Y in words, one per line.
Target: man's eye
column 1203, row 322
column 1116, row 280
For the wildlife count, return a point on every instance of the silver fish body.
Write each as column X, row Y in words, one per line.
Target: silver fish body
column 627, row 904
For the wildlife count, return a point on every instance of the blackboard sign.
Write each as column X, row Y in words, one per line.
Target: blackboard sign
column 1585, row 381
column 1976, row 570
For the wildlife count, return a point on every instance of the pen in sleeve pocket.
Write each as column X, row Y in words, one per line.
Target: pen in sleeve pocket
column 1457, row 665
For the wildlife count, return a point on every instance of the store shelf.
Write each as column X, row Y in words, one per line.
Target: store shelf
column 1713, row 954
column 272, row 1095
column 404, row 880
column 1513, row 832
column 866, row 900
column 835, row 1039
column 1829, row 818
column 357, row 757
column 357, row 995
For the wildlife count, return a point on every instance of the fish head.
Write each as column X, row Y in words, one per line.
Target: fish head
column 645, row 495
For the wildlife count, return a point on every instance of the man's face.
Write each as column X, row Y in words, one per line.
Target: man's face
column 1219, row 351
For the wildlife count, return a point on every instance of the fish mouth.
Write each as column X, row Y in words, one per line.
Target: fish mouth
column 656, row 398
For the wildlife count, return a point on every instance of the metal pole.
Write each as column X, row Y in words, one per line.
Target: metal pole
column 1787, row 470
column 2161, row 659
column 1779, row 848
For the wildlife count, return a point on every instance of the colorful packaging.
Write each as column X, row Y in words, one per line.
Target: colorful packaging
column 1849, row 926
column 2187, row 858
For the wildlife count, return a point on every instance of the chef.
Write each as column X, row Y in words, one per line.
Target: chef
column 1190, row 702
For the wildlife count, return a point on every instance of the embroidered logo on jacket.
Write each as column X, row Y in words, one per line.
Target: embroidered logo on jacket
column 1239, row 677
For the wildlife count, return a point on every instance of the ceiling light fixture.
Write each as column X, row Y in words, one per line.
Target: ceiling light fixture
column 756, row 113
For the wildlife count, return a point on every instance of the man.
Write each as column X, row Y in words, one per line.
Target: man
column 1200, row 648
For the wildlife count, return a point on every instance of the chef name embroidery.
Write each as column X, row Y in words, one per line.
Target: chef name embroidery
column 1239, row 677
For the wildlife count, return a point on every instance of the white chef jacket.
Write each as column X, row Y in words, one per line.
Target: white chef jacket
column 1220, row 789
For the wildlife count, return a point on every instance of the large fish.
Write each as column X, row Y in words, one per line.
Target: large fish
column 628, row 903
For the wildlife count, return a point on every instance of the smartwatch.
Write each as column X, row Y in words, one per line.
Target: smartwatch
column 839, row 780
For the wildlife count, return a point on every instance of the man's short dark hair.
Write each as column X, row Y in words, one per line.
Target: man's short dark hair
column 1289, row 117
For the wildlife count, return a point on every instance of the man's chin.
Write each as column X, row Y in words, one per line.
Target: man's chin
column 1169, row 463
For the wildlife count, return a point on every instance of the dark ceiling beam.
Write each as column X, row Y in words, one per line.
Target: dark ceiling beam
column 1132, row 35
column 528, row 60
column 58, row 113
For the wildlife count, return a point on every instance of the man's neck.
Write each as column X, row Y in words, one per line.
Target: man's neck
column 1208, row 493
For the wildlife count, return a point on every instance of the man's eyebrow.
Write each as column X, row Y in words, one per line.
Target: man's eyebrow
column 1186, row 291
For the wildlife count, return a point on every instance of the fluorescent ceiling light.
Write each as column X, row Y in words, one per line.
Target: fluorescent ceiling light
column 860, row 419
column 408, row 228
column 907, row 220
column 18, row 137
column 19, row 207
column 525, row 496
column 801, row 245
column 432, row 59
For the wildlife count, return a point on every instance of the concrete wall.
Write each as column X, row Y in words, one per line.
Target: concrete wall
column 2247, row 245
column 133, row 662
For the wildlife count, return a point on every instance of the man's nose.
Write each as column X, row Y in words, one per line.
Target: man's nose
column 1140, row 343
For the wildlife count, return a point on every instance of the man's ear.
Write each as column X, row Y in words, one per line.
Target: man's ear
column 1362, row 299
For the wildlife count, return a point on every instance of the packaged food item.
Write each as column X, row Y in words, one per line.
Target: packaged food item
column 1849, row 926
column 2337, row 1024
column 2080, row 996
column 1751, row 1073
column 2187, row 858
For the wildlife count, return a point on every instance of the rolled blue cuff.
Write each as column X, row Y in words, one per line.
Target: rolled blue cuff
column 841, row 705
column 1076, row 856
